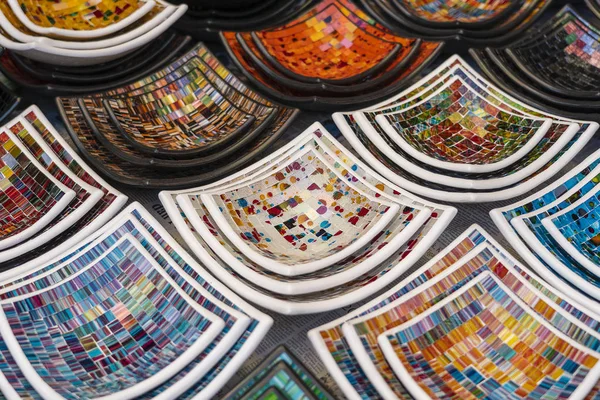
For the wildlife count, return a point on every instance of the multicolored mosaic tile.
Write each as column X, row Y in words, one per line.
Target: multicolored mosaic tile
column 485, row 341
column 283, row 371
column 469, row 11
column 395, row 307
column 457, row 125
column 75, row 15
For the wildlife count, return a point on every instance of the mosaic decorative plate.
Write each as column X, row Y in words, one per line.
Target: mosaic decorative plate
column 406, row 222
column 240, row 325
column 455, row 128
column 298, row 63
column 359, row 367
column 282, row 371
column 560, row 144
column 341, row 294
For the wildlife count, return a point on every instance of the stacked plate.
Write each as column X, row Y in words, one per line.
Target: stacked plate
column 82, row 33
column 124, row 313
column 555, row 64
column 308, row 229
column 240, row 15
column 471, row 323
column 41, row 77
column 280, row 376
column 454, row 136
column 51, row 199
column 484, row 22
column 189, row 123
column 556, row 231
column 332, row 57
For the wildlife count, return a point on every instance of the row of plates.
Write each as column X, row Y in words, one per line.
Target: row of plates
column 472, row 322
column 454, row 136
column 81, row 34
column 309, row 228
column 188, row 123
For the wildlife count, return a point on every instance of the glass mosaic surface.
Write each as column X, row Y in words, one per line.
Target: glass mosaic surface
column 283, row 379
column 567, row 57
column 457, row 125
column 581, row 226
column 300, row 213
column 26, row 194
column 468, row 11
column 77, row 15
column 119, row 318
column 486, row 343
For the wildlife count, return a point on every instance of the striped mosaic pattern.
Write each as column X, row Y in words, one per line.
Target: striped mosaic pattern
column 486, row 343
column 457, row 125
column 26, row 194
column 79, row 16
column 286, row 383
column 301, row 212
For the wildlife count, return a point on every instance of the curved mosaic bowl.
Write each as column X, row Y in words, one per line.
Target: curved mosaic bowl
column 515, row 19
column 243, row 326
column 403, row 226
column 298, row 63
column 79, row 21
column 527, row 231
column 300, row 379
column 350, row 349
column 45, row 78
column 575, row 230
column 457, row 129
column 385, row 269
column 561, row 142
column 479, row 321
column 84, row 214
column 564, row 61
column 98, row 138
column 30, row 196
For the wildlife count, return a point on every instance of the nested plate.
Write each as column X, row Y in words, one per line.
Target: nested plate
column 479, row 321
column 15, row 28
column 565, row 60
column 79, row 20
column 545, row 164
column 457, row 13
column 299, row 218
column 281, row 378
column 405, row 224
column 457, row 129
column 327, row 299
column 62, row 156
column 278, row 357
column 561, row 194
column 575, row 229
column 425, row 53
column 472, row 251
column 30, row 196
column 85, row 196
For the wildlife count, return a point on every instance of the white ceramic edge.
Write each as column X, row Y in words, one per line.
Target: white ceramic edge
column 69, row 33
column 58, row 56
column 139, row 388
column 263, row 326
column 307, row 267
column 16, row 34
column 383, row 340
column 59, row 206
column 536, row 246
column 383, row 121
column 465, row 197
column 466, row 183
column 550, row 225
column 95, row 195
column 90, row 229
column 292, row 308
